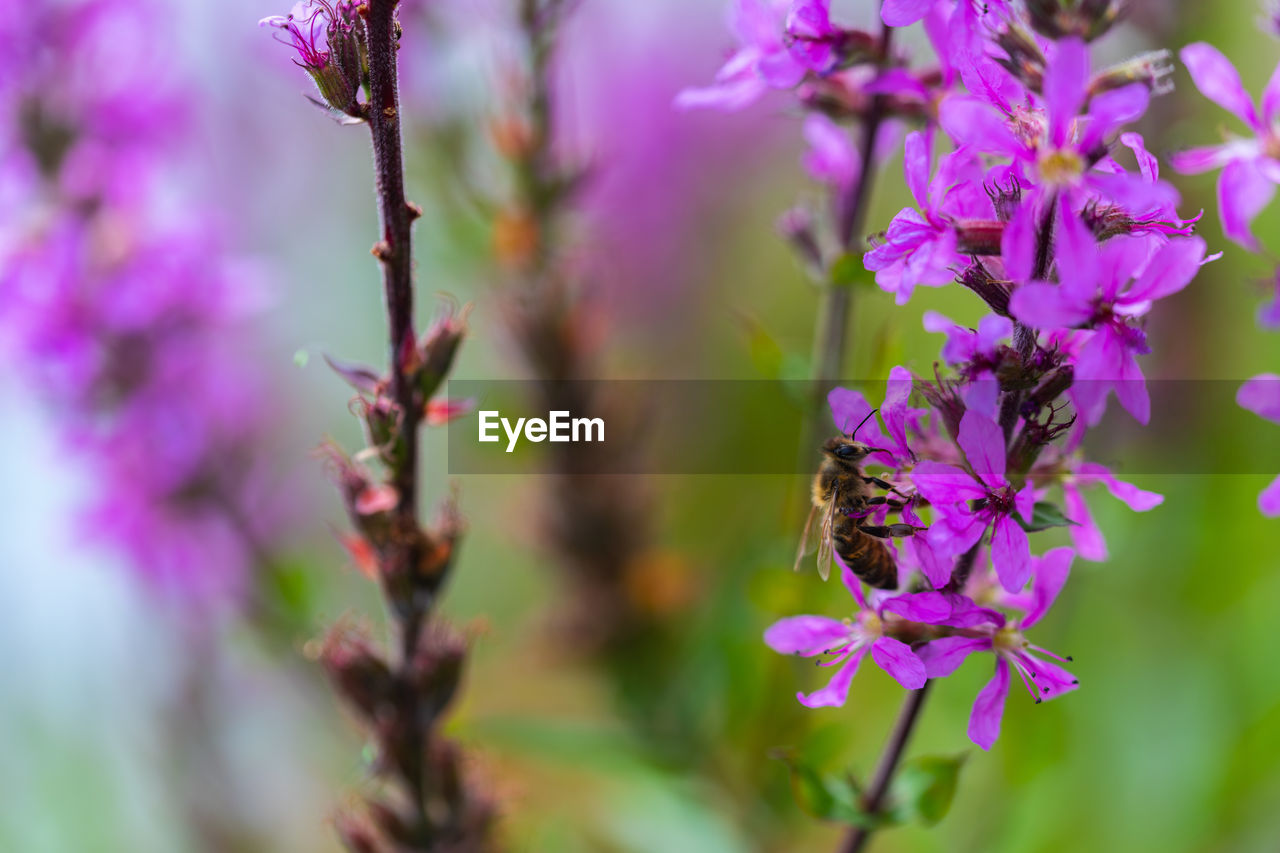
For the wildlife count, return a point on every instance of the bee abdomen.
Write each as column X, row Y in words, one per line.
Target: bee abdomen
column 866, row 556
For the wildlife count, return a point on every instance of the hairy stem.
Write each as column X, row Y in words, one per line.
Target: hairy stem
column 395, row 252
column 908, row 716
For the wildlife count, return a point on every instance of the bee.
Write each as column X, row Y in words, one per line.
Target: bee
column 842, row 494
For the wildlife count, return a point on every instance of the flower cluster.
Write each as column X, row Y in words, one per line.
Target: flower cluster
column 123, row 309
column 1030, row 190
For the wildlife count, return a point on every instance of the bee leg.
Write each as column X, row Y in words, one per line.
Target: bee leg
column 881, row 500
column 882, row 484
column 886, row 531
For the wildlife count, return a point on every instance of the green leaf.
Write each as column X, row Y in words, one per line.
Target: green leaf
column 827, row 796
column 1044, row 516
column 765, row 353
column 847, row 271
column 924, row 788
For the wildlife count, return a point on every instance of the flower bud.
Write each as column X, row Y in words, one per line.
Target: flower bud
column 356, row 670
column 1153, row 69
column 438, row 348
column 436, row 668
column 1087, row 19
column 993, row 292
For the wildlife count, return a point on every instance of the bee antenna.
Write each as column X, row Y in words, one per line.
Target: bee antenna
column 869, row 416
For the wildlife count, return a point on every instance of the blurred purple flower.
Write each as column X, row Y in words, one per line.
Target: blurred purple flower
column 1250, row 166
column 1261, row 395
column 831, row 157
column 761, row 62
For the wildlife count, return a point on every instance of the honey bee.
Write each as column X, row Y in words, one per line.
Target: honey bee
column 842, row 494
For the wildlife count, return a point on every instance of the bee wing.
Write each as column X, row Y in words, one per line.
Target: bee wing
column 807, row 540
column 824, row 540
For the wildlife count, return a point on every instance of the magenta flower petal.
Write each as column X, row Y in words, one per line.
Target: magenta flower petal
column 831, row 157
column 1131, row 390
column 1024, row 502
column 1261, row 395
column 1139, row 500
column 917, row 159
column 1271, row 98
column 1065, row 79
column 1051, row 573
column 956, row 533
column 1243, row 191
column 903, row 13
column 943, row 657
column 1216, row 78
column 983, row 444
column 848, row 408
column 988, row 708
column 969, row 121
column 1018, row 245
column 945, row 484
column 1193, row 161
column 836, row 693
column 1011, row 554
column 1048, row 306
column 806, row 635
column 1110, row 110
column 1077, row 258
column 1170, row 270
column 1269, row 499
column 896, row 658
column 1085, row 534
column 931, row 608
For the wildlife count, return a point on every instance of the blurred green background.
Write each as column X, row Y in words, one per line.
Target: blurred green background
column 120, row 732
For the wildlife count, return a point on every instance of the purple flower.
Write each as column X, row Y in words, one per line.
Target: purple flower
column 977, row 353
column 1096, row 290
column 973, row 500
column 1055, row 151
column 305, row 29
column 847, row 642
column 920, row 247
column 831, row 157
column 1261, row 395
column 1044, row 680
column 1085, row 534
column 761, row 62
column 850, row 408
column 1250, row 166
column 904, row 13
column 812, row 40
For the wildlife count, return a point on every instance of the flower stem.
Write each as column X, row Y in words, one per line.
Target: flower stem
column 394, row 250
column 858, row 836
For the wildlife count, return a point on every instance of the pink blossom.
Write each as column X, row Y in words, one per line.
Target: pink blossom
column 920, row 246
column 1097, row 290
column 1043, row 679
column 978, row 498
column 847, row 642
column 761, row 62
column 1250, row 165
